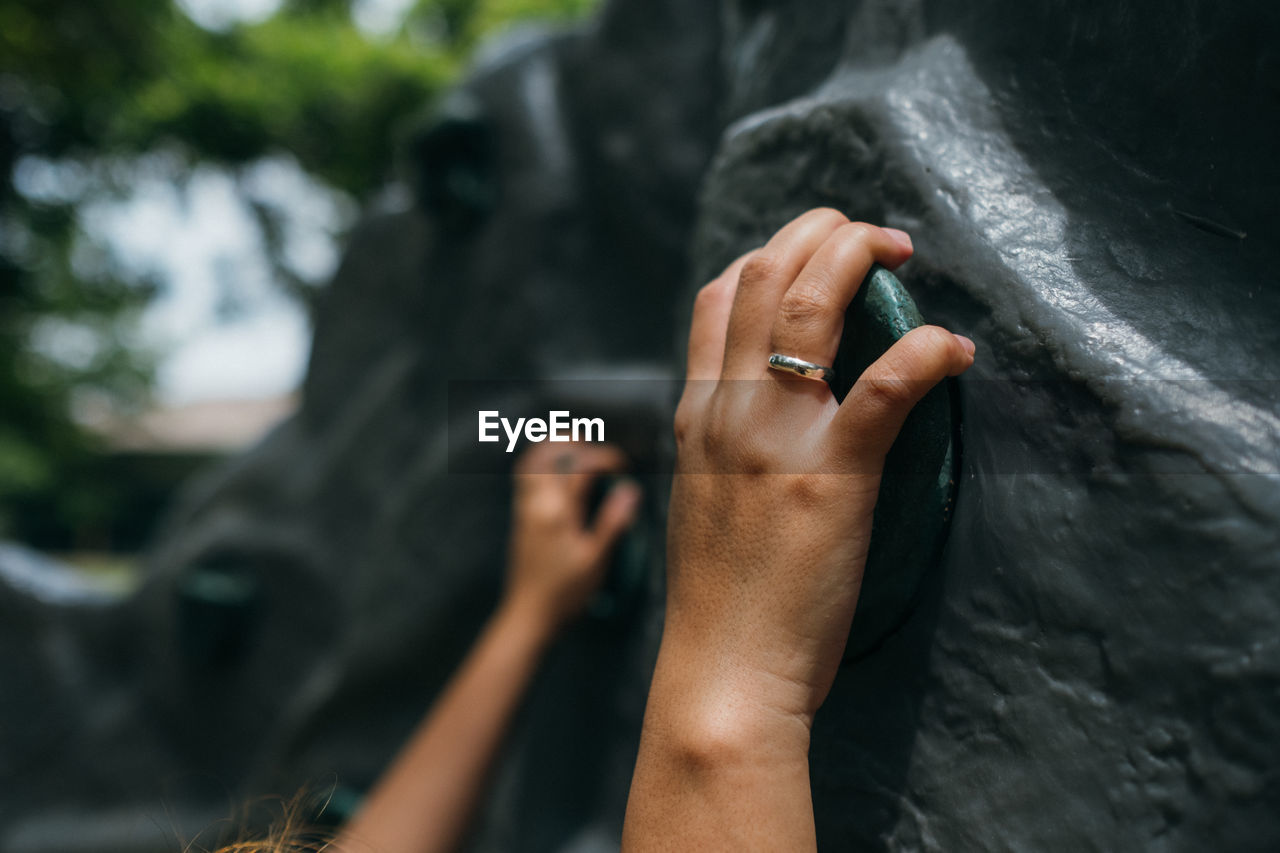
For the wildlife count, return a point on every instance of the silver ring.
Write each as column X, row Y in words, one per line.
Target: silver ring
column 800, row 367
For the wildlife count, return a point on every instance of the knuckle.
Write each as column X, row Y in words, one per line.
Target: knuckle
column 808, row 490
column 802, row 306
column 713, row 291
column 682, row 423
column 761, row 268
column 860, row 242
column 934, row 339
column 828, row 213
column 735, row 449
column 888, row 389
column 717, row 431
column 707, row 296
column 712, row 297
column 753, row 456
column 859, row 232
column 721, row 435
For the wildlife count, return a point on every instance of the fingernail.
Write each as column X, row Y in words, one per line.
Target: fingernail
column 902, row 237
column 968, row 345
column 628, row 484
column 630, row 492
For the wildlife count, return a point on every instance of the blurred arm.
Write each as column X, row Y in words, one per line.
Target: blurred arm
column 425, row 800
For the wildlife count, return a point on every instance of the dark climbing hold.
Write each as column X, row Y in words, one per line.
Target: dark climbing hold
column 919, row 486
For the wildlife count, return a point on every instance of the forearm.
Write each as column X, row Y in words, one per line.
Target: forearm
column 721, row 766
column 764, row 569
column 425, row 800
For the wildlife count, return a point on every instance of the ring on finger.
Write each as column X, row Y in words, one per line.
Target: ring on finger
column 800, row 367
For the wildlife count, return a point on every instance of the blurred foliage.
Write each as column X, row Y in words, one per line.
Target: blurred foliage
column 88, row 85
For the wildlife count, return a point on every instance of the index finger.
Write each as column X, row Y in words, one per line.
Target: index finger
column 711, row 321
column 569, row 460
column 591, row 461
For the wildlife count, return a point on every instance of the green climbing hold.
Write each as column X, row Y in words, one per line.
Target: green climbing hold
column 918, row 490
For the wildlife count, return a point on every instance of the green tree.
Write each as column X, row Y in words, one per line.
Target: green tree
column 87, row 86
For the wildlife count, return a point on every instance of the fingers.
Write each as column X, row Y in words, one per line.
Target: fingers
column 568, row 458
column 589, row 462
column 617, row 513
column 710, row 321
column 541, row 458
column 871, row 415
column 563, row 474
column 562, row 478
column 763, row 280
column 810, row 315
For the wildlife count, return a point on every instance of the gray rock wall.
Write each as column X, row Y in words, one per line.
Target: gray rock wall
column 1093, row 663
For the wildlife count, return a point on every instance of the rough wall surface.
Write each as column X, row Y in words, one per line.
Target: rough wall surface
column 1092, row 665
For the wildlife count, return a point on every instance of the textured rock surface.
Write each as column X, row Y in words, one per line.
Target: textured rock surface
column 1092, row 665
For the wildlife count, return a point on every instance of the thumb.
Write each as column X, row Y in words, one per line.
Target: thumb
column 616, row 514
column 871, row 415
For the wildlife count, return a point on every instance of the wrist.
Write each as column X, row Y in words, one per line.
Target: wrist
column 759, row 651
column 712, row 708
column 720, row 766
column 526, row 620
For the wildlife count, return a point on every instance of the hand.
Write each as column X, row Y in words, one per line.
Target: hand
column 557, row 561
column 775, row 483
column 424, row 801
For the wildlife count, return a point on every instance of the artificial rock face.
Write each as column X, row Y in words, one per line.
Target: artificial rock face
column 1091, row 664
column 1094, row 663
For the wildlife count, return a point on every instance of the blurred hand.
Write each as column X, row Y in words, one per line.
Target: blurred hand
column 425, row 800
column 775, row 483
column 558, row 556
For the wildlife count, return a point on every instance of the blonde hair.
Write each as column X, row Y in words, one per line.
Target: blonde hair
column 272, row 825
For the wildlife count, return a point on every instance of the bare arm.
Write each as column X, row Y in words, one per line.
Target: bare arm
column 767, row 536
column 425, row 800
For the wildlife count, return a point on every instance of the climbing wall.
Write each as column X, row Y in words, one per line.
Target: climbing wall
column 1089, row 662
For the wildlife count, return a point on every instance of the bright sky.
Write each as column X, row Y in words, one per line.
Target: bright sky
column 225, row 329
column 216, row 14
column 373, row 16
